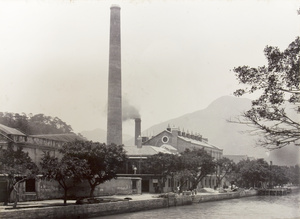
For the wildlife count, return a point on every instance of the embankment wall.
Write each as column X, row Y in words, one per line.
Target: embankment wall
column 94, row 210
column 221, row 196
column 102, row 209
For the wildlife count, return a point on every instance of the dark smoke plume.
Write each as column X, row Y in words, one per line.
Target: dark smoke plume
column 129, row 111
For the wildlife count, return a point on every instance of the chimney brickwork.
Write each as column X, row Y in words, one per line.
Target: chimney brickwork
column 137, row 130
column 114, row 112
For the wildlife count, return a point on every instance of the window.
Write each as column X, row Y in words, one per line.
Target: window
column 30, row 185
column 165, row 139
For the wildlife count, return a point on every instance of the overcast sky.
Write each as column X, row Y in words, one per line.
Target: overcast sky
column 176, row 55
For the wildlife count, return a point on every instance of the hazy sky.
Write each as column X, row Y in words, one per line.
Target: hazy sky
column 176, row 55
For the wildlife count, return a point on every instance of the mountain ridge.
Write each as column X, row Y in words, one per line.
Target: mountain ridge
column 212, row 123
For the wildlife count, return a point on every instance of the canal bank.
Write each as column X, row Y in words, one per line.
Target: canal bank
column 252, row 207
column 206, row 197
column 118, row 206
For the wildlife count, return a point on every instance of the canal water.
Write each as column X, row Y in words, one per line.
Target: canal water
column 256, row 207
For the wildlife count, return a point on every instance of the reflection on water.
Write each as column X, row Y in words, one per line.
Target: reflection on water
column 258, row 207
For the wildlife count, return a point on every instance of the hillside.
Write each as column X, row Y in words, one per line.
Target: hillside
column 212, row 123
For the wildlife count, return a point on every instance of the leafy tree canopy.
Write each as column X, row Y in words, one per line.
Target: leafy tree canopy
column 103, row 160
column 294, row 174
column 279, row 175
column 252, row 173
column 162, row 165
column 35, row 124
column 224, row 166
column 277, row 84
column 199, row 163
column 17, row 166
column 67, row 172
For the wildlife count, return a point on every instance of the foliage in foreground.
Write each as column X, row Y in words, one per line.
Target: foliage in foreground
column 191, row 165
column 18, row 167
column 67, row 172
column 198, row 164
column 103, row 160
column 274, row 114
column 83, row 160
column 162, row 165
column 258, row 173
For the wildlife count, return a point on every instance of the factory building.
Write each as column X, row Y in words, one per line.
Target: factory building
column 132, row 179
column 35, row 146
column 171, row 141
column 181, row 140
column 168, row 141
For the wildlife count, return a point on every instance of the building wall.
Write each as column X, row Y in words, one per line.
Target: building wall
column 35, row 152
column 157, row 140
column 118, row 186
column 181, row 144
column 36, row 147
column 45, row 189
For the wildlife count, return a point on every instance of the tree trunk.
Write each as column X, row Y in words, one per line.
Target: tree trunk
column 65, row 196
column 16, row 198
column 92, row 190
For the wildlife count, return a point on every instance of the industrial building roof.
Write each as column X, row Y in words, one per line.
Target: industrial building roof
column 10, row 131
column 197, row 142
column 60, row 137
column 145, row 150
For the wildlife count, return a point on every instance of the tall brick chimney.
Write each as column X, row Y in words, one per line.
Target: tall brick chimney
column 114, row 111
column 137, row 130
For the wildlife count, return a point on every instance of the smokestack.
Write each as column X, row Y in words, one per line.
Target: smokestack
column 139, row 142
column 114, row 112
column 137, row 130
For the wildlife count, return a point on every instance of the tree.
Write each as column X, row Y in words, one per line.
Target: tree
column 198, row 163
column 279, row 175
column 224, row 166
column 273, row 114
column 294, row 174
column 253, row 173
column 18, row 167
column 162, row 165
column 103, row 160
column 67, row 172
column 35, row 124
column 182, row 175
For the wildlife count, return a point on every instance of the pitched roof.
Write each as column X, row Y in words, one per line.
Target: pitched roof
column 201, row 143
column 157, row 135
column 145, row 150
column 197, row 142
column 169, row 148
column 60, row 137
column 10, row 131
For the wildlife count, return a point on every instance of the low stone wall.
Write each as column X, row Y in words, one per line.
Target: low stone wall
column 94, row 210
column 102, row 209
column 221, row 196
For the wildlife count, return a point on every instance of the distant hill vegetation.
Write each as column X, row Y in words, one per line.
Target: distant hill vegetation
column 35, row 124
